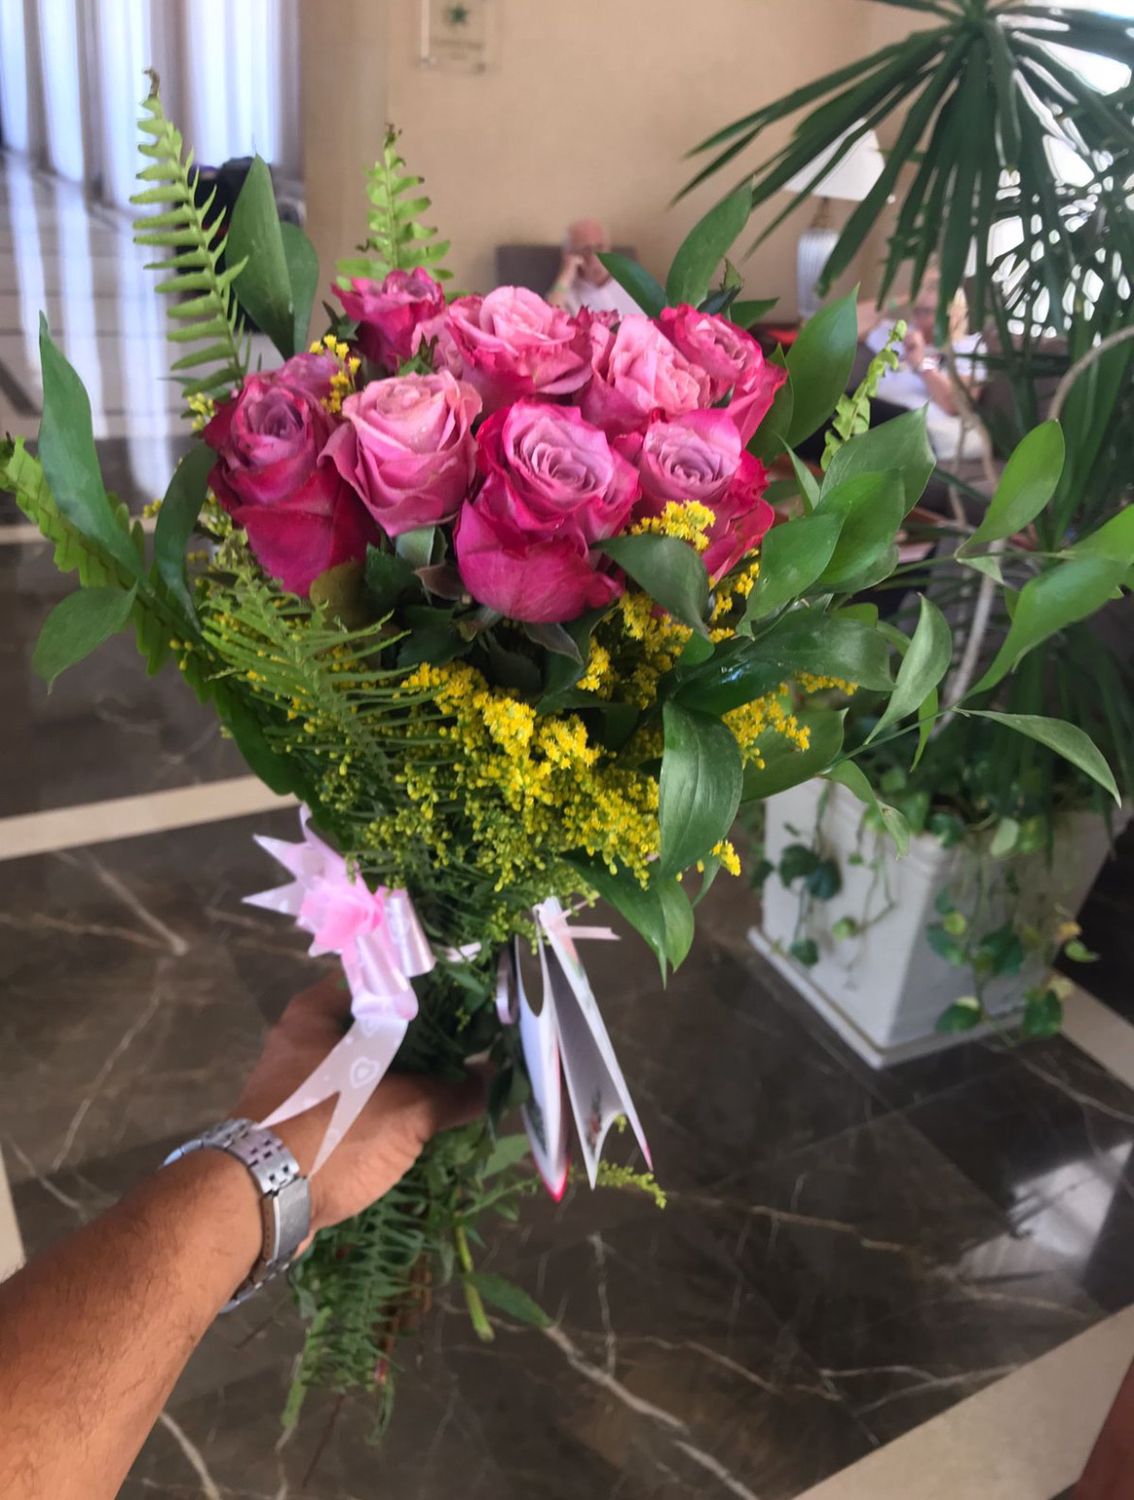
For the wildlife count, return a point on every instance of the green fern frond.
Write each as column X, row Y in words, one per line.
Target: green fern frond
column 22, row 476
column 852, row 413
column 203, row 309
column 397, row 240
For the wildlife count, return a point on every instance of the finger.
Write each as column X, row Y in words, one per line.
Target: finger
column 434, row 1104
column 329, row 999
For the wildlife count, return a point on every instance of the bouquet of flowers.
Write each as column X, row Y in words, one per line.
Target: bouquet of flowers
column 496, row 593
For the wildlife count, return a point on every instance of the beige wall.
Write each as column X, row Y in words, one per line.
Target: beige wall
column 587, row 109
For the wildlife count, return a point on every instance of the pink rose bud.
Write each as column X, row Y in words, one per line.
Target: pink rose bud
column 406, row 447
column 389, row 312
column 512, row 344
column 301, row 519
column 525, row 573
column 556, row 469
column 637, row 371
column 732, row 360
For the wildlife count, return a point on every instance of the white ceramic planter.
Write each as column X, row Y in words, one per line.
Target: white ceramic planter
column 884, row 988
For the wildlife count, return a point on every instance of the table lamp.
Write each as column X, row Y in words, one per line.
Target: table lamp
column 852, row 179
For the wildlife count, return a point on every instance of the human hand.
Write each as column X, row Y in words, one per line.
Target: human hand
column 386, row 1139
column 915, row 347
column 570, row 268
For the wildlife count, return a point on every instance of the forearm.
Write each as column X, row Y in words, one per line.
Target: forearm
column 939, row 389
column 94, row 1334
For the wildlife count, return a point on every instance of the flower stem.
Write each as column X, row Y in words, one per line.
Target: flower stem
column 477, row 1314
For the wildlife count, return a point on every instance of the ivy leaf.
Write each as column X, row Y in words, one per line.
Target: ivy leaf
column 1043, row 1014
column 1078, row 952
column 824, row 882
column 797, row 860
column 805, row 951
column 669, row 570
column 945, row 945
column 962, row 1015
column 78, row 625
column 999, row 952
column 699, row 788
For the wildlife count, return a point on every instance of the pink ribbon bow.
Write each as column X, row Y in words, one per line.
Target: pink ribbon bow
column 379, row 939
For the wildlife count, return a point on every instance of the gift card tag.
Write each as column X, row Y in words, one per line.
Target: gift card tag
column 544, row 1116
column 595, row 1082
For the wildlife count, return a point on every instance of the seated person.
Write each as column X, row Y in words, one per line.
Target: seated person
column 922, row 375
column 583, row 280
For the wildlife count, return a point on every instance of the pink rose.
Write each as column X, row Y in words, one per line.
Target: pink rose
column 389, row 312
column 638, row 371
column 301, row 519
column 693, row 456
column 558, row 471
column 733, row 361
column 406, row 447
column 512, row 343
column 697, row 456
column 527, row 573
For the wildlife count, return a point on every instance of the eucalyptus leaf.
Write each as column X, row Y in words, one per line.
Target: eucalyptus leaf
column 699, row 787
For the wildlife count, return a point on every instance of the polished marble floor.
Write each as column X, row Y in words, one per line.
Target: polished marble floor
column 845, row 1256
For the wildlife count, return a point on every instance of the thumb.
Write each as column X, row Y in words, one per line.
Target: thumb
column 444, row 1104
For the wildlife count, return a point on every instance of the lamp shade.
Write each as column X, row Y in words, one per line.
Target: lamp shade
column 851, row 178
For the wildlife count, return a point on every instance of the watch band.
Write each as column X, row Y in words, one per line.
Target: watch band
column 285, row 1197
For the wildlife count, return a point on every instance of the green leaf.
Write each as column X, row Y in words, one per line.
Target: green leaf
column 805, row 951
column 1027, row 484
column 705, row 246
column 955, row 923
column 923, row 666
column 999, row 952
column 870, row 508
column 646, row 291
column 900, row 444
column 69, row 458
column 792, row 556
column 303, row 278
column 660, row 912
column 1114, row 539
column 263, row 286
column 820, row 363
column 669, row 571
column 744, row 314
column 1068, row 591
column 786, row 766
column 824, row 882
column 509, row 1298
column 1067, row 740
column 805, row 479
column 1078, row 952
column 77, row 626
column 508, row 1151
column 772, row 434
column 416, row 546
column 796, row 862
column 850, row 775
column 807, row 640
column 1043, row 1015
column 946, row 828
column 1004, row 838
column 962, row 1015
column 341, row 591
column 845, row 927
column 945, row 945
column 388, row 577
column 176, row 519
column 699, row 789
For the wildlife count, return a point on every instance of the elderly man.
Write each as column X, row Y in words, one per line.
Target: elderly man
column 583, row 280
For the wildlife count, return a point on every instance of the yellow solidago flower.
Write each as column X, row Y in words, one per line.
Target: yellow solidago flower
column 810, row 683
column 728, row 856
column 204, row 409
column 687, row 520
column 769, row 714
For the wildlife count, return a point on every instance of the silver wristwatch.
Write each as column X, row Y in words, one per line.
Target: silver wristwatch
column 285, row 1198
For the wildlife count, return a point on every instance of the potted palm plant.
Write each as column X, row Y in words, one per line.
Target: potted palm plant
column 1010, row 167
